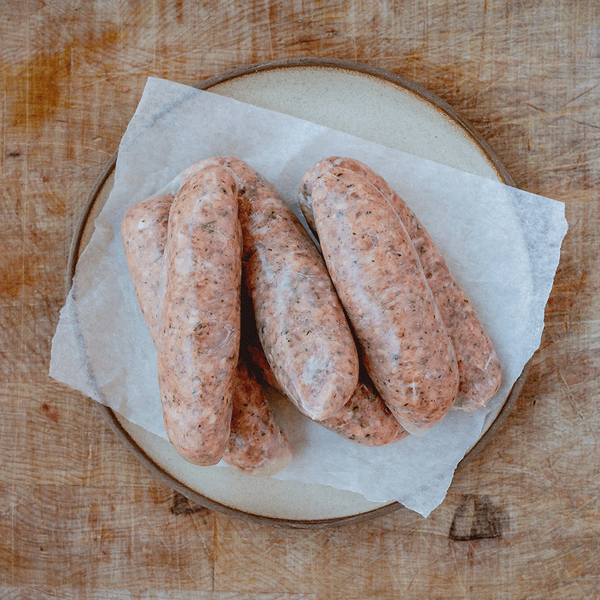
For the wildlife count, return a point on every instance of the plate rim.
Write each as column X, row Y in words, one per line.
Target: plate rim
column 110, row 415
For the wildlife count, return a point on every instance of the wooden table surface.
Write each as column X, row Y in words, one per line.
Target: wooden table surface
column 80, row 517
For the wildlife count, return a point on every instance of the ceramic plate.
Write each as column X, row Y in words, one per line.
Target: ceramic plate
column 374, row 105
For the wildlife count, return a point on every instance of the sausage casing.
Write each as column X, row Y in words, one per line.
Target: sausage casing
column 381, row 284
column 257, row 445
column 364, row 419
column 198, row 341
column 144, row 235
column 479, row 368
column 300, row 321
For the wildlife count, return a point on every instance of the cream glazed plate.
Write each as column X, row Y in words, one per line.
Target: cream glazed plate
column 363, row 101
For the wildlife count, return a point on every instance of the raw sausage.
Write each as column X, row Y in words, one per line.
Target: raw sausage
column 479, row 368
column 144, row 235
column 381, row 284
column 364, row 419
column 257, row 445
column 199, row 336
column 301, row 324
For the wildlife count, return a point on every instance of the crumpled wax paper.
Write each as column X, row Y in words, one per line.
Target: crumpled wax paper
column 502, row 244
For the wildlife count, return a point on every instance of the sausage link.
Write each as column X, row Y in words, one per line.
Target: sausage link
column 479, row 368
column 257, row 445
column 301, row 324
column 144, row 235
column 364, row 419
column 381, row 284
column 198, row 342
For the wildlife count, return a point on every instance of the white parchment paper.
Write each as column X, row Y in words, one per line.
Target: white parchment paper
column 502, row 244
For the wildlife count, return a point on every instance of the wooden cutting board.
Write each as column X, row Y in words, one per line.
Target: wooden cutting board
column 79, row 517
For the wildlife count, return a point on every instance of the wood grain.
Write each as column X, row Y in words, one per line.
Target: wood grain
column 79, row 516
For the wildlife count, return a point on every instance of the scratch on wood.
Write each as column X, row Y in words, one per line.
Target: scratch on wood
column 535, row 107
column 582, row 123
column 580, row 95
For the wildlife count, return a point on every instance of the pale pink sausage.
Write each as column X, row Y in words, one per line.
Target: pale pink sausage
column 479, row 368
column 300, row 321
column 257, row 445
column 144, row 235
column 198, row 342
column 405, row 346
column 364, row 419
